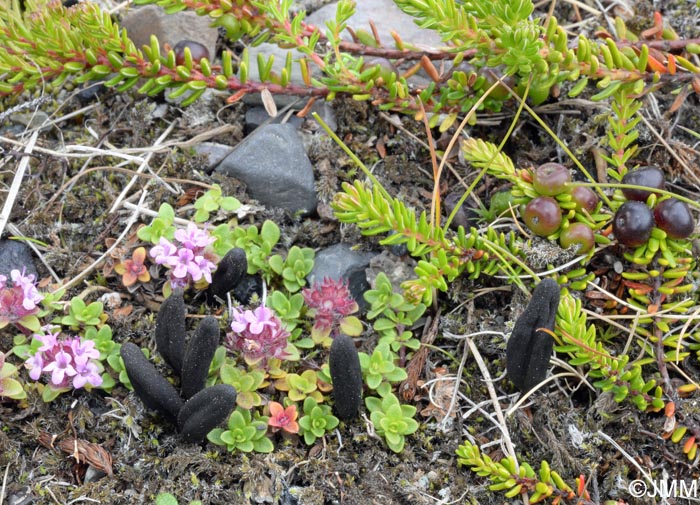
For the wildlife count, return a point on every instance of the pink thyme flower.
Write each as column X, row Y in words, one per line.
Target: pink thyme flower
column 26, row 284
column 86, row 373
column 60, row 367
column 83, row 351
column 330, row 301
column 67, row 360
column 258, row 334
column 35, row 364
column 193, row 238
column 190, row 261
column 18, row 298
column 165, row 253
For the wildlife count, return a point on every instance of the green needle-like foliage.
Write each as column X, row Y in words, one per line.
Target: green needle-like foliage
column 614, row 374
column 499, row 38
column 506, row 475
column 447, row 255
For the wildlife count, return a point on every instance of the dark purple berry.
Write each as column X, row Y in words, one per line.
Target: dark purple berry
column 585, row 198
column 632, row 224
column 542, row 215
column 551, row 179
column 579, row 235
column 649, row 177
column 674, row 217
column 197, row 50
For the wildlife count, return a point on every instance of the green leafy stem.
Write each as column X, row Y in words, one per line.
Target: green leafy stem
column 615, row 374
column 50, row 43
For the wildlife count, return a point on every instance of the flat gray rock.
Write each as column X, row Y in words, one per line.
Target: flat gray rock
column 257, row 116
column 341, row 261
column 274, row 166
column 16, row 256
column 215, row 153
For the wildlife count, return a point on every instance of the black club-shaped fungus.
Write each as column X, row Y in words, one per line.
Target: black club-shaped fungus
column 528, row 349
column 153, row 390
column 198, row 355
column 205, row 411
column 228, row 274
column 345, row 369
column 170, row 330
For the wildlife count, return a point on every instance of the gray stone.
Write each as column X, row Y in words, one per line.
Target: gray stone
column 142, row 22
column 274, row 166
column 257, row 116
column 397, row 269
column 340, row 261
column 214, row 151
column 16, row 256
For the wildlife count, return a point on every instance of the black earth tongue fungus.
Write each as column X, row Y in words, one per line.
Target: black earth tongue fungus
column 198, row 355
column 228, row 274
column 250, row 285
column 529, row 350
column 170, row 330
column 346, row 373
column 205, row 411
column 153, row 390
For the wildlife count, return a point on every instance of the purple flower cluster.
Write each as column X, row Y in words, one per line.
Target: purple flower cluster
column 68, row 361
column 19, row 298
column 257, row 334
column 189, row 261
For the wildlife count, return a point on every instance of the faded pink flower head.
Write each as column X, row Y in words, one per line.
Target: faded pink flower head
column 329, row 301
column 18, row 298
column 257, row 334
column 26, row 284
